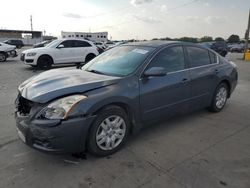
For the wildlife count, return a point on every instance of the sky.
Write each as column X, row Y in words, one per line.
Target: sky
column 129, row 19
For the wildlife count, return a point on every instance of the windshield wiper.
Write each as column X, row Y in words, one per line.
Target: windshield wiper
column 95, row 71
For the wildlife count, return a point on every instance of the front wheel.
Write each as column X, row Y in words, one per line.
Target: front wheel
column 2, row 57
column 108, row 132
column 219, row 98
column 44, row 62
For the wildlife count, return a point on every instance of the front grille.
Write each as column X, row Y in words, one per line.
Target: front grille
column 29, row 60
column 23, row 105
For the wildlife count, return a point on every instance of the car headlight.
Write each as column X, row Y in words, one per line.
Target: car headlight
column 61, row 108
column 31, row 54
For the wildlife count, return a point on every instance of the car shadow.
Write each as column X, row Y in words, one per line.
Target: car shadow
column 165, row 125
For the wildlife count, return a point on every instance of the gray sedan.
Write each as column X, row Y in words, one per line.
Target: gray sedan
column 95, row 108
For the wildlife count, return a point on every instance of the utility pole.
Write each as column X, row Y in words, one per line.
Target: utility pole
column 247, row 32
column 31, row 24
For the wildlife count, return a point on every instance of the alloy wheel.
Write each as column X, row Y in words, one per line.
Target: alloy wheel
column 221, row 97
column 110, row 132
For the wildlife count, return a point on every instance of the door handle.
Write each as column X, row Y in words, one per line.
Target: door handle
column 216, row 71
column 184, row 80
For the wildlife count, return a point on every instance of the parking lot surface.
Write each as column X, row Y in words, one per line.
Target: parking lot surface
column 198, row 150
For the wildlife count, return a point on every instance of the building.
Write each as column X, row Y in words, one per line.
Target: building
column 28, row 37
column 96, row 36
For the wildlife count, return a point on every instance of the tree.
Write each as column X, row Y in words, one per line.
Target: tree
column 217, row 39
column 206, row 39
column 167, row 38
column 188, row 39
column 233, row 39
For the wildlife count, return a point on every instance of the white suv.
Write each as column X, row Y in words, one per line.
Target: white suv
column 60, row 52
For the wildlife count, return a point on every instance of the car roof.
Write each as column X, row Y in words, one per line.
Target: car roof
column 64, row 39
column 74, row 39
column 159, row 43
column 153, row 43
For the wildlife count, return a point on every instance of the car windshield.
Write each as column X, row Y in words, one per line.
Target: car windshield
column 119, row 61
column 53, row 44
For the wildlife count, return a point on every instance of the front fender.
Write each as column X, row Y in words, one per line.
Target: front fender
column 112, row 94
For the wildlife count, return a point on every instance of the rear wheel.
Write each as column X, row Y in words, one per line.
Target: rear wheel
column 219, row 98
column 89, row 57
column 44, row 62
column 108, row 132
column 2, row 57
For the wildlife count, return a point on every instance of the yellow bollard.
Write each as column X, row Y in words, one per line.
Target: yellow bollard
column 247, row 55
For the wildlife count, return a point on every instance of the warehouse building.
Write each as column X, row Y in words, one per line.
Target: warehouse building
column 28, row 37
column 96, row 36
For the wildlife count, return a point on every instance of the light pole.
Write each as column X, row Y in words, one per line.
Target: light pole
column 247, row 32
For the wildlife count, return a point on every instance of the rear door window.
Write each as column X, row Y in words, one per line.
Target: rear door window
column 213, row 57
column 79, row 43
column 68, row 44
column 197, row 56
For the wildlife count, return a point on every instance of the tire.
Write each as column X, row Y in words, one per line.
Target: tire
column 219, row 98
column 106, row 138
column 14, row 54
column 89, row 57
column 78, row 65
column 44, row 62
column 223, row 53
column 3, row 57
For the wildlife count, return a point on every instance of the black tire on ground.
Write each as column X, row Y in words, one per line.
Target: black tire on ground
column 3, row 57
column 220, row 93
column 44, row 62
column 224, row 53
column 78, row 65
column 89, row 57
column 112, row 111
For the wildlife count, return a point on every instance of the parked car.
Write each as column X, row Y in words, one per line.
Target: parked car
column 108, row 44
column 6, row 51
column 15, row 42
column 100, row 44
column 124, row 88
column 206, row 44
column 239, row 48
column 100, row 47
column 41, row 44
column 115, row 45
column 220, row 47
column 60, row 52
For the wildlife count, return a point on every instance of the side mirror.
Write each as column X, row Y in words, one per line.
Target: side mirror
column 155, row 71
column 60, row 46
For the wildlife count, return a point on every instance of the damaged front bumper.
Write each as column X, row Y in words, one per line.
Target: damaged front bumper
column 11, row 53
column 54, row 136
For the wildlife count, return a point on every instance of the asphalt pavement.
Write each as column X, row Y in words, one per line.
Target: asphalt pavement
column 198, row 150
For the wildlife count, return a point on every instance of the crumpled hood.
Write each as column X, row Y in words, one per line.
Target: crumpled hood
column 56, row 83
column 7, row 47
